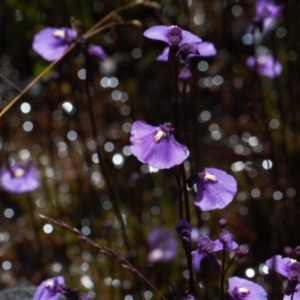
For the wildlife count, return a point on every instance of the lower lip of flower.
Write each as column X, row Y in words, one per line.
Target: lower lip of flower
column 19, row 173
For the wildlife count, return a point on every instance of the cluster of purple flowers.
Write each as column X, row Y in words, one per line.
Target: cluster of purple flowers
column 158, row 147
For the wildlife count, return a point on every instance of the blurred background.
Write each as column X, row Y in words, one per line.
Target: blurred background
column 239, row 121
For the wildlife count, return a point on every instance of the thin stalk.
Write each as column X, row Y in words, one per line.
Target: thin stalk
column 228, row 266
column 132, row 22
column 101, row 164
column 192, row 286
column 177, row 176
column 38, row 243
column 292, row 297
column 34, row 81
column 223, row 273
column 185, row 194
column 111, row 14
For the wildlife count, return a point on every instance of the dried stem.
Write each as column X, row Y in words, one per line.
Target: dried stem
column 105, row 250
column 34, row 81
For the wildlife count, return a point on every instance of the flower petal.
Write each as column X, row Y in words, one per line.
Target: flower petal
column 97, row 51
column 164, row 55
column 256, row 292
column 206, row 49
column 164, row 154
column 50, row 46
column 196, row 260
column 189, row 38
column 279, row 264
column 215, row 195
column 159, row 32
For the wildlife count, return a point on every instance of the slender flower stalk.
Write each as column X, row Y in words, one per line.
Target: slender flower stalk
column 101, row 164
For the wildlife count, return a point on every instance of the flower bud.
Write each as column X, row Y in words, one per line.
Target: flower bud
column 241, row 251
column 184, row 230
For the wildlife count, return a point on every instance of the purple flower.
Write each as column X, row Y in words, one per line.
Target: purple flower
column 267, row 9
column 265, row 65
column 215, row 188
column 20, row 178
column 243, row 289
column 265, row 13
column 172, row 35
column 162, row 244
column 289, row 268
column 49, row 289
column 206, row 248
column 51, row 43
column 156, row 146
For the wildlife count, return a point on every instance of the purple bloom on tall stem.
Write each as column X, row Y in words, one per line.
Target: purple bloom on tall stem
column 172, row 35
column 20, row 178
column 163, row 245
column 215, row 188
column 49, row 289
column 265, row 65
column 51, row 43
column 156, row 146
column 243, row 289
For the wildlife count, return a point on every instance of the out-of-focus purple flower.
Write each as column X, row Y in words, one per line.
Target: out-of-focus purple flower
column 49, row 289
column 267, row 9
column 51, row 43
column 184, row 230
column 266, row 12
column 206, row 248
column 185, row 74
column 243, row 289
column 185, row 51
column 20, row 178
column 289, row 268
column 156, row 146
column 265, row 65
column 162, row 244
column 173, row 35
column 215, row 188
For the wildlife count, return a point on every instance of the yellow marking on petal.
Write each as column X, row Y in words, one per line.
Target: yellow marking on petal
column 19, row 173
column 292, row 260
column 59, row 33
column 210, row 177
column 243, row 290
column 159, row 135
column 49, row 283
column 261, row 60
